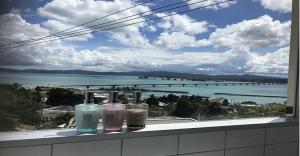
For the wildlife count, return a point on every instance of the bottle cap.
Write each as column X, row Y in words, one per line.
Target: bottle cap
column 89, row 97
column 114, row 96
column 137, row 97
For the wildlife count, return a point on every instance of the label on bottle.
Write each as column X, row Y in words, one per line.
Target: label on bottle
column 111, row 118
column 87, row 117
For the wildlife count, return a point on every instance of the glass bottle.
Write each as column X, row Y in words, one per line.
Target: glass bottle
column 113, row 114
column 137, row 113
column 87, row 115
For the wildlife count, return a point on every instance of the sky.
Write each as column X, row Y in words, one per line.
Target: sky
column 235, row 37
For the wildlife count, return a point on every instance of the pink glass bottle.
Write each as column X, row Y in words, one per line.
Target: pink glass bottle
column 113, row 114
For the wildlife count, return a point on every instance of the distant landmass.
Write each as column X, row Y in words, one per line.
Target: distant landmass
column 161, row 74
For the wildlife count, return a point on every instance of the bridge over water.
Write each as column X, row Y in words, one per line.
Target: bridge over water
column 175, row 84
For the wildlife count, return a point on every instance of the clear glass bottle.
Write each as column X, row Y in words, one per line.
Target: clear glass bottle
column 137, row 113
column 87, row 115
column 113, row 114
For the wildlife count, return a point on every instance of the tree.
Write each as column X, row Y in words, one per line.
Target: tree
column 60, row 96
column 172, row 98
column 8, row 120
column 183, row 108
column 225, row 102
column 163, row 99
column 124, row 99
column 194, row 99
column 152, row 100
column 18, row 106
column 213, row 109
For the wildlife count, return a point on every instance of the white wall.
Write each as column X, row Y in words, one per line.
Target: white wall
column 233, row 141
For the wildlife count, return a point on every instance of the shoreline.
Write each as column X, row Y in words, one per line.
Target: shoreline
column 187, row 90
column 166, row 91
column 162, row 75
column 252, row 95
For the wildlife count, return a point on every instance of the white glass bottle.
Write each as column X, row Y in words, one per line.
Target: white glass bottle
column 87, row 115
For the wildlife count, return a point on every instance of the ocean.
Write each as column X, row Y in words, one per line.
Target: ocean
column 42, row 79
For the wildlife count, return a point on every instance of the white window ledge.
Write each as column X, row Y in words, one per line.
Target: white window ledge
column 44, row 137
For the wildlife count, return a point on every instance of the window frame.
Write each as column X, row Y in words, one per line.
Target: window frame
column 293, row 73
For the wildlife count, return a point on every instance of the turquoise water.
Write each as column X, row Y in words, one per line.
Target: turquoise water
column 37, row 79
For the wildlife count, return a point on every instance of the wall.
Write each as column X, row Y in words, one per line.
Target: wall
column 231, row 140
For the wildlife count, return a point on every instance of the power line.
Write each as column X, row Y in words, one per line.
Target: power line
column 82, row 24
column 123, row 25
column 126, row 24
column 120, row 20
column 152, row 19
column 112, row 21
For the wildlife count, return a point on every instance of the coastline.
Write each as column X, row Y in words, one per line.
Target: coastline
column 252, row 95
column 31, row 80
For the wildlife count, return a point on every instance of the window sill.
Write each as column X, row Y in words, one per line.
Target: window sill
column 43, row 137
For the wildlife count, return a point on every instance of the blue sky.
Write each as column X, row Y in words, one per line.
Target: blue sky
column 240, row 37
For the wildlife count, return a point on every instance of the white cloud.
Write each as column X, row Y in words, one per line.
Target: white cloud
column 15, row 11
column 28, row 10
column 131, row 39
column 277, row 5
column 15, row 28
column 210, row 4
column 151, row 28
column 239, row 59
column 177, row 40
column 62, row 56
column 182, row 23
column 56, row 26
column 272, row 62
column 75, row 12
column 256, row 33
column 180, row 31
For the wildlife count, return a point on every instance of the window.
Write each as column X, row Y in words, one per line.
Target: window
column 192, row 60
